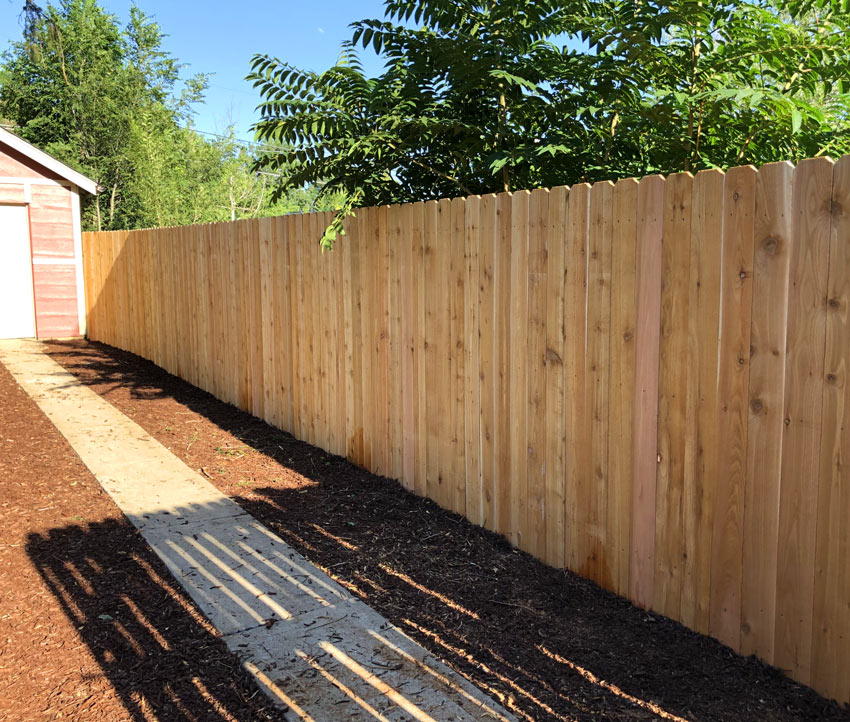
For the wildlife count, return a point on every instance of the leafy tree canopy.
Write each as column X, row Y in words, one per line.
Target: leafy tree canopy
column 104, row 99
column 488, row 95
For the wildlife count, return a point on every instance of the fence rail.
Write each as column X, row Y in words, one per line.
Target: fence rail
column 646, row 382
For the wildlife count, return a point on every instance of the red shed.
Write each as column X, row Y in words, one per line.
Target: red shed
column 41, row 272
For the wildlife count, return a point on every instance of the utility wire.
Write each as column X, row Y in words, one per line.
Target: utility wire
column 237, row 141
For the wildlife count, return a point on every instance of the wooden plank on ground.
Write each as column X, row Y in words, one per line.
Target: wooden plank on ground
column 801, row 445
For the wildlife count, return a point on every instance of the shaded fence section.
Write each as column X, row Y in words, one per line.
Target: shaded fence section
column 645, row 382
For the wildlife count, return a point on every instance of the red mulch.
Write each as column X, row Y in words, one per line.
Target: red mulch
column 546, row 643
column 92, row 627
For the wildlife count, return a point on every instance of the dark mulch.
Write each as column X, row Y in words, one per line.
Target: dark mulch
column 92, row 627
column 546, row 643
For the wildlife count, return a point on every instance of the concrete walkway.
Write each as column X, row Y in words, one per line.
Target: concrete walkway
column 309, row 644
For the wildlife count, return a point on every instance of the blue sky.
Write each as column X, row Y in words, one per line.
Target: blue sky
column 221, row 37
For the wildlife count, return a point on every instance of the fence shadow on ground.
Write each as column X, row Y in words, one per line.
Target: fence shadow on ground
column 547, row 644
column 160, row 655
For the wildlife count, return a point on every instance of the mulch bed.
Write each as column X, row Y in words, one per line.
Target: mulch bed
column 547, row 644
column 92, row 627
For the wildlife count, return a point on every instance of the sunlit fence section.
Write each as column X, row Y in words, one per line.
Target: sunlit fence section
column 644, row 381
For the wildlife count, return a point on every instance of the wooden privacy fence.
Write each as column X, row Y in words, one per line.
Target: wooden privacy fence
column 645, row 382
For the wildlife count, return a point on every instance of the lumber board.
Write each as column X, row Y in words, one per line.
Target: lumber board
column 555, row 444
column 533, row 519
column 488, row 351
column 575, row 317
column 417, row 242
column 394, row 378
column 503, row 481
column 732, row 405
column 766, row 390
column 804, row 393
column 457, row 355
column 593, row 495
column 650, row 218
column 407, row 349
column 622, row 379
column 702, row 439
column 673, row 381
column 473, row 509
column 831, row 613
column 517, row 496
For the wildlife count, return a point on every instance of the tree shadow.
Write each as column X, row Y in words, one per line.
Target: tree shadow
column 544, row 642
column 164, row 659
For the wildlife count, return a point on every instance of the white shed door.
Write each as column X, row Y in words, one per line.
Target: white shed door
column 17, row 307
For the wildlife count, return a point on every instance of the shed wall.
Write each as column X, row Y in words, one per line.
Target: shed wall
column 54, row 234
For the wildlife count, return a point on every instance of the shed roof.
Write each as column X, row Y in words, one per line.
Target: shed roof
column 49, row 162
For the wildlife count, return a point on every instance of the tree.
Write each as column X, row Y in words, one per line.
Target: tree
column 478, row 96
column 103, row 100
column 97, row 97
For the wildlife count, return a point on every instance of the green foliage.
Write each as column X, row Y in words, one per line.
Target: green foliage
column 478, row 96
column 104, row 100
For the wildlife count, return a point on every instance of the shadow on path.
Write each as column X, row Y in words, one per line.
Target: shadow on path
column 161, row 656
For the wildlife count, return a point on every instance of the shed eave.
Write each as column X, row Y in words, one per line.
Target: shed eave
column 47, row 161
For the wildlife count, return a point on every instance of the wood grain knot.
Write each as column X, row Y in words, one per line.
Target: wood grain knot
column 757, row 406
column 770, row 245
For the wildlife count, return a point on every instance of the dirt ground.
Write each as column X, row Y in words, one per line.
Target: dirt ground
column 92, row 627
column 547, row 644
